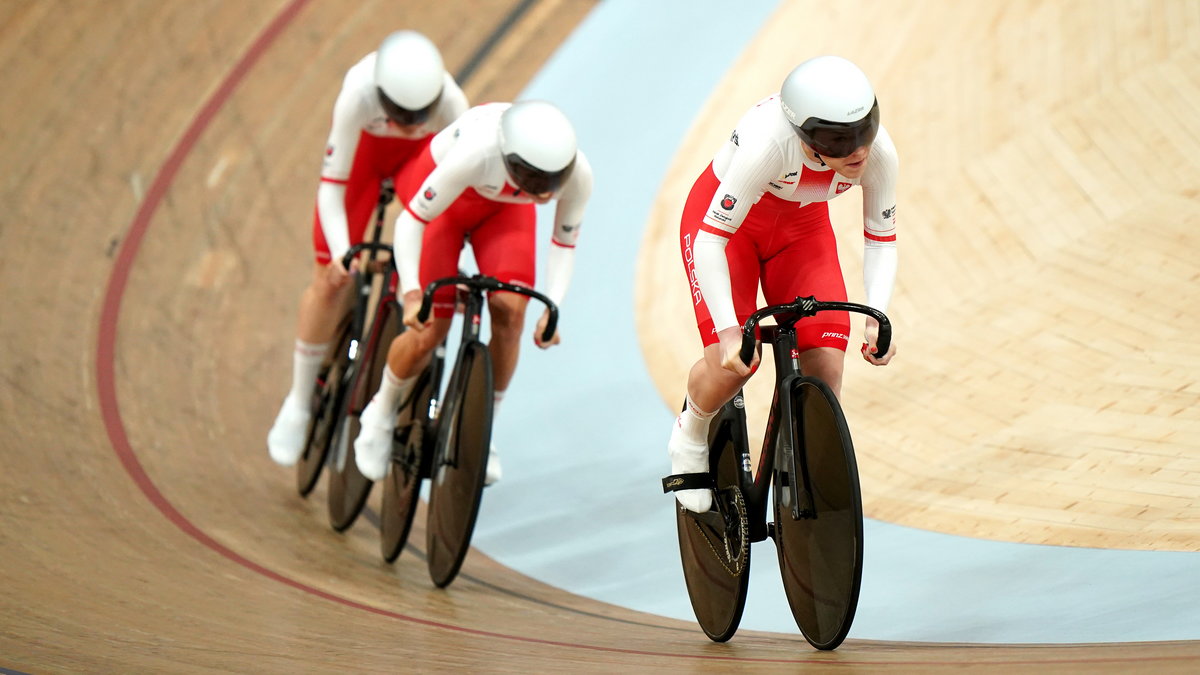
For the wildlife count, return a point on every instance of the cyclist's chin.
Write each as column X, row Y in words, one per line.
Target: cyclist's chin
column 847, row 168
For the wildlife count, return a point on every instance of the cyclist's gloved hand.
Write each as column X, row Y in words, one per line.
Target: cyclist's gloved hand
column 730, row 341
column 412, row 305
column 869, row 347
column 541, row 328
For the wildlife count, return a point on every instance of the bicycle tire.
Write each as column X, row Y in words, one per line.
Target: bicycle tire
column 326, row 400
column 460, row 463
column 348, row 488
column 402, row 487
column 716, row 564
column 821, row 557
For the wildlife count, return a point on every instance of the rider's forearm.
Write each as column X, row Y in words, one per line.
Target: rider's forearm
column 712, row 271
column 331, row 205
column 409, row 231
column 560, row 265
column 879, row 274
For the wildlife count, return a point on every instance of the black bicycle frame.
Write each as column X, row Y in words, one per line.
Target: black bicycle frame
column 387, row 193
column 777, row 463
column 473, row 319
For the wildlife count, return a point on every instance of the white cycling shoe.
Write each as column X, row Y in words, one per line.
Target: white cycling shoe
column 373, row 447
column 494, row 473
column 688, row 457
column 285, row 440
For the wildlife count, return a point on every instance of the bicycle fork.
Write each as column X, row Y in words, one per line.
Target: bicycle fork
column 785, row 428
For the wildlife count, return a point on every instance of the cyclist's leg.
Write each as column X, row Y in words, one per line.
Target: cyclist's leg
column 710, row 385
column 806, row 263
column 504, row 247
column 409, row 352
column 322, row 304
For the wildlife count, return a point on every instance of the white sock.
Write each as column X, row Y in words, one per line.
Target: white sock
column 496, row 399
column 392, row 392
column 693, row 422
column 306, row 364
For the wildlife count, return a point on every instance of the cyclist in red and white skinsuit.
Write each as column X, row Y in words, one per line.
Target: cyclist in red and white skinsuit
column 760, row 213
column 481, row 178
column 391, row 104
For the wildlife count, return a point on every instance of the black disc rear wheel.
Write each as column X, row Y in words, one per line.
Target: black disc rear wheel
column 402, row 487
column 715, row 548
column 348, row 488
column 821, row 553
column 460, row 465
column 326, row 402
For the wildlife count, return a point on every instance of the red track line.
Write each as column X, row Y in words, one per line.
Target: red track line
column 111, row 413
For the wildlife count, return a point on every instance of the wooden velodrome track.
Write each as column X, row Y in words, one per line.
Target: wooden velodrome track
column 161, row 165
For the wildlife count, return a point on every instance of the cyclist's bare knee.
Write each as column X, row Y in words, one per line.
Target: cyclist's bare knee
column 410, row 350
column 710, row 384
column 507, row 313
column 324, row 293
column 826, row 364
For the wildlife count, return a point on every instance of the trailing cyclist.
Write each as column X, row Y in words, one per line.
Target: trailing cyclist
column 391, row 104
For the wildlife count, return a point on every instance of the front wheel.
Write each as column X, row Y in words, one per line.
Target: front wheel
column 821, row 551
column 460, row 463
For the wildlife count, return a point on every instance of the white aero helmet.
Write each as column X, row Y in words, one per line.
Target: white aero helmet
column 538, row 145
column 408, row 77
column 831, row 104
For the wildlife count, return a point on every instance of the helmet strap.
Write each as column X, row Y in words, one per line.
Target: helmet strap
column 819, row 158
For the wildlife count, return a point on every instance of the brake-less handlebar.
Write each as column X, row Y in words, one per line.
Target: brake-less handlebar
column 485, row 283
column 810, row 306
column 359, row 248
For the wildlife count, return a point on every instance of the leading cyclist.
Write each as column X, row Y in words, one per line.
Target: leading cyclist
column 759, row 212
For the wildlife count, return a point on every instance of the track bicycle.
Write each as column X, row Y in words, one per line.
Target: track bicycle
column 447, row 440
column 807, row 464
column 351, row 376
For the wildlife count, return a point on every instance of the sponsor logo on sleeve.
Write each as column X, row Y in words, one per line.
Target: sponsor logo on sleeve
column 890, row 214
column 734, row 138
column 843, row 186
column 775, row 185
column 728, row 201
column 719, row 217
column 429, row 194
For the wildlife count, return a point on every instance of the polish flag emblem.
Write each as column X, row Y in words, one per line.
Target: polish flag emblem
column 842, row 187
